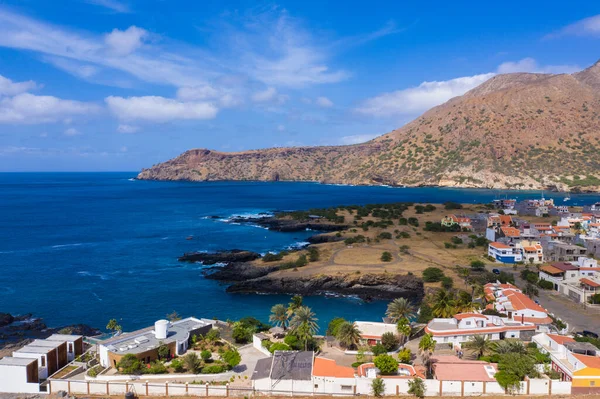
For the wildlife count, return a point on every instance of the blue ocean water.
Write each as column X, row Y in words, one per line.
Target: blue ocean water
column 87, row 247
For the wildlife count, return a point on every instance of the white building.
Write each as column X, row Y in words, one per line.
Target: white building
column 504, row 253
column 371, row 332
column 19, row 375
column 74, row 344
column 578, row 280
column 285, row 372
column 508, row 299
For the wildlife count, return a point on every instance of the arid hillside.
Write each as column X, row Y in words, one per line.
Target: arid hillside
column 521, row 131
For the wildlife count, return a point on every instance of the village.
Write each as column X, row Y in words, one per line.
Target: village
column 481, row 329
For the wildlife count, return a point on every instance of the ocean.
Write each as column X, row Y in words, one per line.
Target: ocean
column 88, row 247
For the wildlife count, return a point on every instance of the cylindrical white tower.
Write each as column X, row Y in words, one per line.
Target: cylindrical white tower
column 161, row 327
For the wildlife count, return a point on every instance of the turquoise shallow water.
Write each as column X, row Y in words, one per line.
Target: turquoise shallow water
column 86, row 247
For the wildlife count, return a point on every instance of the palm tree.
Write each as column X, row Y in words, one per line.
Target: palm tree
column 304, row 324
column 294, row 304
column 464, row 273
column 444, row 304
column 349, row 335
column 279, row 316
column 478, row 344
column 464, row 303
column 508, row 346
column 400, row 308
column 404, row 330
column 426, row 348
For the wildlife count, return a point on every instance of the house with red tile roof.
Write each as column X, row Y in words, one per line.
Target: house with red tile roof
column 462, row 221
column 504, row 253
column 451, row 368
column 329, row 377
column 576, row 280
column 464, row 326
column 368, row 370
column 518, row 307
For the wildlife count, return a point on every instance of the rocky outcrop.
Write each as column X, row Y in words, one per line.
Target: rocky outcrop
column 367, row 286
column 211, row 258
column 323, row 238
column 519, row 131
column 238, row 272
column 289, row 225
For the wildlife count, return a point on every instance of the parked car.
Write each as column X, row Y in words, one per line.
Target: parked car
column 496, row 271
column 589, row 334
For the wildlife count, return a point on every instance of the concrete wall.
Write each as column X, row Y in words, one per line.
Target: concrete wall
column 257, row 344
column 13, row 379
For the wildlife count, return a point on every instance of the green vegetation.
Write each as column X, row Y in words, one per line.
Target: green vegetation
column 477, row 265
column 449, row 205
column 271, row 257
column 386, row 364
column 113, row 326
column 389, row 341
column 378, row 387
column 432, row 274
column 386, row 256
column 348, row 335
column 405, row 356
column 400, row 308
column 416, row 387
column 279, row 316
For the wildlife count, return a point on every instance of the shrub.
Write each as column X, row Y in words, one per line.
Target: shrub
column 213, row 335
column 313, row 254
column 278, row 346
column 385, row 236
column 241, row 333
column 301, row 261
column 192, row 363
column 213, row 369
column 378, row 349
column 378, row 387
column 432, row 274
column 477, row 265
column 447, row 282
column 546, row 285
column 293, row 342
column 413, row 222
column 157, row 367
column 416, row 387
column 356, row 364
column 334, row 325
column 205, row 355
column 177, row 365
column 271, row 257
column 129, row 364
column 429, row 208
column 594, row 299
column 425, row 313
column 452, row 205
column 386, row 364
column 456, row 240
column 386, row 257
column 405, row 356
column 390, row 341
column 233, row 358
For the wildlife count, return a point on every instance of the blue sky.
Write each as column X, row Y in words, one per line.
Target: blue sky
column 123, row 84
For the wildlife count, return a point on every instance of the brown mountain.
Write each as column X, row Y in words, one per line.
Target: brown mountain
column 522, row 130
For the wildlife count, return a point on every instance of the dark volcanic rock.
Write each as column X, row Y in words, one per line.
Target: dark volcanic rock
column 6, row 319
column 367, row 286
column 288, row 225
column 234, row 255
column 322, row 238
column 238, row 272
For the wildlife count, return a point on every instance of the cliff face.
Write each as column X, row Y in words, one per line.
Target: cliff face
column 528, row 131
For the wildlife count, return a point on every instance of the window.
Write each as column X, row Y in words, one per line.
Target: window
column 592, row 383
column 346, row 387
column 316, row 386
column 43, row 361
column 70, row 348
column 468, row 323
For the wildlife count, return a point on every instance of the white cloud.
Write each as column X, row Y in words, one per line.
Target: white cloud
column 586, row 27
column 226, row 98
column 270, row 94
column 125, row 42
column 112, row 5
column 72, row 132
column 357, row 139
column 26, row 108
column 418, row 99
column 10, row 88
column 531, row 65
column 324, row 102
column 127, row 129
column 159, row 109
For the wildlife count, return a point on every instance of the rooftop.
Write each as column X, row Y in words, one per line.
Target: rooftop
column 63, row 337
column 292, row 365
column 329, row 368
column 560, row 339
column 451, row 368
column 16, row 361
column 370, row 329
column 262, row 368
column 564, row 266
column 589, row 361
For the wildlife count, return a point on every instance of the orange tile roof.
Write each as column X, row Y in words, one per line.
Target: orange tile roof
column 589, row 282
column 451, row 368
column 329, row 368
column 560, row 339
column 521, row 301
column 535, row 320
column 499, row 245
column 589, row 361
column 510, row 231
column 460, row 316
column 483, row 330
column 551, row 269
column 505, row 219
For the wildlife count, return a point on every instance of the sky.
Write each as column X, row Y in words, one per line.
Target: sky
column 119, row 85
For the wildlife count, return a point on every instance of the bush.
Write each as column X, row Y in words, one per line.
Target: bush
column 157, row 367
column 447, row 282
column 405, row 356
column 356, row 239
column 416, row 387
column 334, row 325
column 129, row 364
column 241, row 333
column 595, row 299
column 192, row 363
column 390, row 341
column 477, row 265
column 378, row 349
column 233, row 357
column 205, row 355
column 456, row 240
column 452, row 205
column 177, row 365
column 213, row 335
column 432, row 274
column 278, row 346
column 385, row 236
column 213, row 369
column 425, row 313
column 413, row 222
column 386, row 364
column 546, row 285
column 293, row 342
column 313, row 254
column 356, row 364
column 301, row 261
column 271, row 257
column 386, row 257
column 378, row 387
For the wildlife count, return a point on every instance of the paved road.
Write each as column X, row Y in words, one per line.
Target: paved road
column 578, row 317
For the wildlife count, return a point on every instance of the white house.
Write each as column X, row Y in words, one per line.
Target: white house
column 508, row 299
column 504, row 253
column 74, row 344
column 371, row 332
column 19, row 375
column 285, row 372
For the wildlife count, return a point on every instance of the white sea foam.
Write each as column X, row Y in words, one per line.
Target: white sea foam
column 78, row 244
column 97, row 297
column 298, row 245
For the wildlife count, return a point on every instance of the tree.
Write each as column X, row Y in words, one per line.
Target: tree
column 241, row 333
column 404, row 330
column 173, row 316
column 205, row 355
column 386, row 364
column 279, row 316
column 425, row 313
column 192, row 363
column 443, row 304
column 313, row 254
column 163, row 350
column 426, row 349
column 349, row 335
column 447, row 282
column 464, row 303
column 390, row 341
column 416, row 387
column 129, row 364
column 334, row 325
column 400, row 308
column 232, row 357
column 386, row 256
column 477, row 265
column 531, row 290
column 213, row 335
column 513, row 368
column 478, row 344
column 508, row 346
column 295, row 303
column 378, row 387
column 378, row 349
column 432, row 274
column 113, row 326
column 405, row 356
column 304, row 324
column 278, row 346
column 464, row 273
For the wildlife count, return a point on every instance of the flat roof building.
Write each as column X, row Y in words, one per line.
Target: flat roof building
column 19, row 375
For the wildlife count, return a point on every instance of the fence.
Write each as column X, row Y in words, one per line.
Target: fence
column 362, row 386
